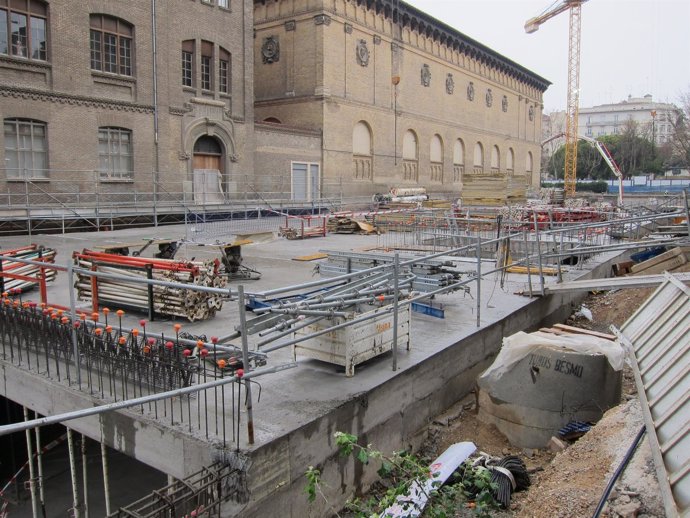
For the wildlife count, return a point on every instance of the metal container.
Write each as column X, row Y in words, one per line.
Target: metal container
column 357, row 343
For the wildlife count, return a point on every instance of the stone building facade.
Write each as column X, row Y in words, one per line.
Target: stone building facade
column 400, row 99
column 93, row 99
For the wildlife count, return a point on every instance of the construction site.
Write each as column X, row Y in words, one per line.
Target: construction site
column 222, row 354
column 190, row 326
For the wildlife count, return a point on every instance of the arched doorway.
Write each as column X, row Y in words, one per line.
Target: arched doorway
column 208, row 169
column 208, row 154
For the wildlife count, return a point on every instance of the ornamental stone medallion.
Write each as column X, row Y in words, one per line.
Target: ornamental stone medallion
column 270, row 50
column 362, row 53
column 489, row 98
column 470, row 91
column 426, row 75
column 450, row 84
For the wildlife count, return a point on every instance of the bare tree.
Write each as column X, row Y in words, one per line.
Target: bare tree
column 680, row 139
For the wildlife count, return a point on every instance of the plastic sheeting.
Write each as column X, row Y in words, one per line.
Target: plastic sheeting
column 521, row 344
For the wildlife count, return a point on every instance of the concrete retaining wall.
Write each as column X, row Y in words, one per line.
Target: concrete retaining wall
column 392, row 416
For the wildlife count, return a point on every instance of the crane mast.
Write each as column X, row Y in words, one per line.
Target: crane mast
column 572, row 110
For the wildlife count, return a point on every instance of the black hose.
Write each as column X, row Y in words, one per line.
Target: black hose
column 618, row 472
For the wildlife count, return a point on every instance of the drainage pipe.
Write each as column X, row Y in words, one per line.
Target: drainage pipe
column 618, row 472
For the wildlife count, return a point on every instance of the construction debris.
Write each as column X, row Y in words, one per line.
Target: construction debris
column 668, row 261
column 345, row 225
column 159, row 300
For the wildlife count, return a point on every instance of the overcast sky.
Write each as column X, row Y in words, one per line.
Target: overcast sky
column 628, row 47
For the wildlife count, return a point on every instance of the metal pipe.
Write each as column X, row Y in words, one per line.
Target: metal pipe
column 84, row 473
column 541, row 268
column 32, row 474
column 687, row 210
column 396, row 262
column 39, row 461
column 245, row 362
column 106, row 479
column 73, row 310
column 529, row 272
column 76, row 506
column 119, row 405
column 479, row 279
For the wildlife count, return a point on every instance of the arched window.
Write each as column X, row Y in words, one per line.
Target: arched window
column 436, row 149
column 361, row 139
column 115, row 153
column 510, row 159
column 495, row 158
column 459, row 152
column 23, row 29
column 26, row 150
column 529, row 162
column 272, row 120
column 410, row 145
column 207, row 145
column 478, row 155
column 112, row 45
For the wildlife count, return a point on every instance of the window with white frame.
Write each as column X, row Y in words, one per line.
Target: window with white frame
column 26, row 150
column 115, row 154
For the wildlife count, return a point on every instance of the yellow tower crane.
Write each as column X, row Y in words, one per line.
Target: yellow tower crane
column 532, row 25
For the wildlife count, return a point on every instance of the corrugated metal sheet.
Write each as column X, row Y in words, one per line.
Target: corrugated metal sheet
column 658, row 335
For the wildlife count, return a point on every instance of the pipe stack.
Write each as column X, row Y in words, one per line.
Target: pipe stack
column 30, row 253
column 166, row 300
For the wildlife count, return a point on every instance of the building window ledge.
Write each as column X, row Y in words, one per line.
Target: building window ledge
column 114, row 79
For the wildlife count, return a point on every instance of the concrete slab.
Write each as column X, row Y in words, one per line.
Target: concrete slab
column 300, row 409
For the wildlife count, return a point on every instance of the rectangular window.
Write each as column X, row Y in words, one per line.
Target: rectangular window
column 187, row 68
column 206, row 72
column 125, row 56
column 25, row 149
column 4, row 45
column 96, row 50
column 223, row 76
column 115, row 154
column 38, row 39
column 109, row 53
column 19, row 35
column 225, row 4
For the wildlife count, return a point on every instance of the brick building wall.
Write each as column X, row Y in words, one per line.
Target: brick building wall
column 70, row 98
